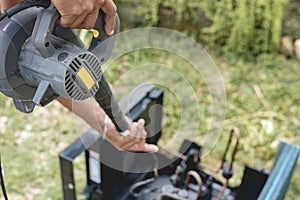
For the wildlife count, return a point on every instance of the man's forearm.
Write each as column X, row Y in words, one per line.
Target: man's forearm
column 88, row 110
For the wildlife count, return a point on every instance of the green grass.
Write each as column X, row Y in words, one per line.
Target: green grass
column 29, row 149
column 262, row 101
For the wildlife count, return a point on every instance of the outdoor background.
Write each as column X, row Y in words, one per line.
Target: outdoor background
column 255, row 45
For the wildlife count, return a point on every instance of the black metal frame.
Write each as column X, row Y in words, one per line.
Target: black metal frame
column 88, row 140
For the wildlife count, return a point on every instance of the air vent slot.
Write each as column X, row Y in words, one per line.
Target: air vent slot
column 92, row 64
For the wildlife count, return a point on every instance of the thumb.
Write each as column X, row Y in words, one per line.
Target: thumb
column 150, row 148
column 141, row 122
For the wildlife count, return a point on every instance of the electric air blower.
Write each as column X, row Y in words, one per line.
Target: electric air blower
column 40, row 60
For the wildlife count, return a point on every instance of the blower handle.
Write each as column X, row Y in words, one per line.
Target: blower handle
column 102, row 45
column 43, row 29
column 99, row 26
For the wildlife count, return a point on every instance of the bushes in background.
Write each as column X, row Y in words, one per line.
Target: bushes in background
column 254, row 26
column 246, row 28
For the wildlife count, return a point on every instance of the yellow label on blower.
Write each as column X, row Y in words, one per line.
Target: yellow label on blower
column 85, row 76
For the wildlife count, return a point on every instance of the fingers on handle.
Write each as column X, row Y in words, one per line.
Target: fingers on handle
column 81, row 14
column 110, row 10
column 89, row 21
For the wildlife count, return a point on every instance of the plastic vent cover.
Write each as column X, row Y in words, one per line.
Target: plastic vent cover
column 74, row 88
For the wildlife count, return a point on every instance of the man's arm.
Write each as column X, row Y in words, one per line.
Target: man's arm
column 93, row 114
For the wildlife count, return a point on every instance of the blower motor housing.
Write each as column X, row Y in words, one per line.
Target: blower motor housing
column 71, row 72
column 31, row 79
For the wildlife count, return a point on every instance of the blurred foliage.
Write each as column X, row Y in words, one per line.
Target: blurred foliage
column 149, row 11
column 245, row 28
column 291, row 21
